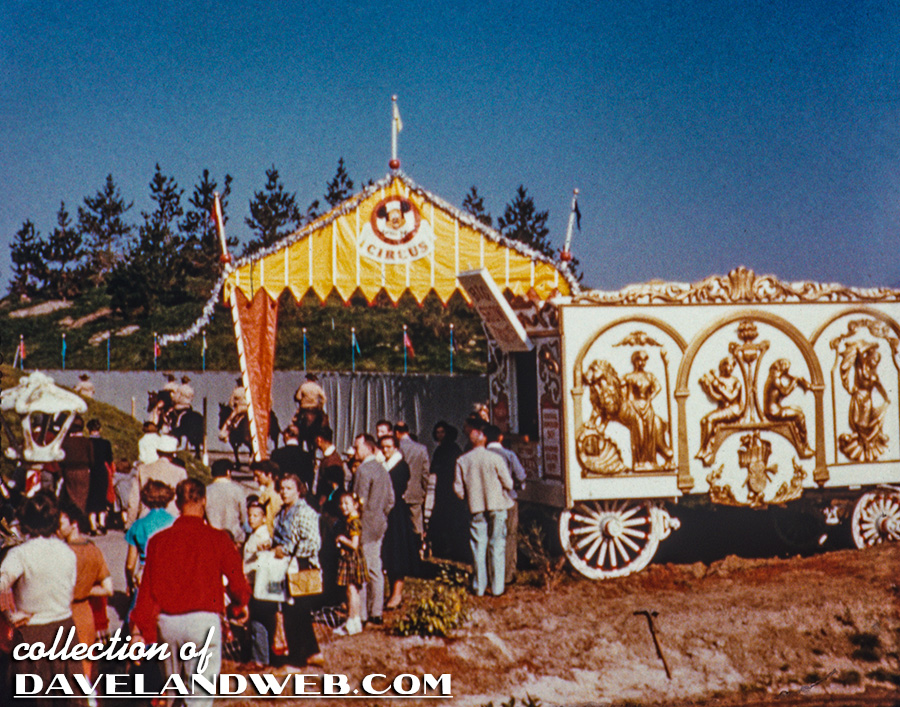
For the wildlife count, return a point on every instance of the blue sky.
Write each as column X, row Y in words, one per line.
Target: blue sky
column 702, row 136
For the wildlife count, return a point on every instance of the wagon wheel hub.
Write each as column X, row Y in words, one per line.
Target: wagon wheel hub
column 613, row 527
column 876, row 518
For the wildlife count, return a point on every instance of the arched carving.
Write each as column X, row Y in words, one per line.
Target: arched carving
column 631, row 404
column 787, row 427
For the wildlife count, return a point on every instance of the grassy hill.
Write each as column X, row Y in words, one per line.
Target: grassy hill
column 89, row 321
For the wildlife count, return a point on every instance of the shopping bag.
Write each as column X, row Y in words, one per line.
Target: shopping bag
column 268, row 584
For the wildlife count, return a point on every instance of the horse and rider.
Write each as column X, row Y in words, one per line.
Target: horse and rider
column 234, row 422
column 309, row 419
column 171, row 411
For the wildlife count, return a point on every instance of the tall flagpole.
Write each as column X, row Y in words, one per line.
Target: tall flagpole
column 225, row 259
column 396, row 127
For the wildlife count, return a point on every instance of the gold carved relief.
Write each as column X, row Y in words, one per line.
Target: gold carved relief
column 753, row 455
column 857, row 362
column 738, row 407
column 740, row 286
column 629, row 401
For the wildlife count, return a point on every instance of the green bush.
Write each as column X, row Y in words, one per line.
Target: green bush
column 439, row 608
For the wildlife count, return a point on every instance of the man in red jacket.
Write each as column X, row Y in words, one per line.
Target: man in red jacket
column 181, row 590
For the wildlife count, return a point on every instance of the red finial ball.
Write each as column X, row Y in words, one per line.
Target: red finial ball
column 394, row 164
column 225, row 259
column 565, row 256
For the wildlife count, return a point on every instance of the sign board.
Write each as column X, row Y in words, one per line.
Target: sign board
column 499, row 318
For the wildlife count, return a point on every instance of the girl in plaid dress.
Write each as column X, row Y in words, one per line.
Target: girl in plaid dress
column 352, row 569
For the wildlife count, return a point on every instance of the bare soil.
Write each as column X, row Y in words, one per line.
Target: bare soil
column 822, row 629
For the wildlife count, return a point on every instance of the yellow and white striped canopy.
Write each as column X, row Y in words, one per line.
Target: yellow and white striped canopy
column 394, row 236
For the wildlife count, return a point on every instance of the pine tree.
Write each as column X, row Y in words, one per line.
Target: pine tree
column 340, row 188
column 273, row 213
column 202, row 247
column 474, row 205
column 523, row 222
column 64, row 254
column 102, row 224
column 27, row 255
column 155, row 270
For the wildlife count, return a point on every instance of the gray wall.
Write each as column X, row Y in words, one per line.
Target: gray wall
column 355, row 401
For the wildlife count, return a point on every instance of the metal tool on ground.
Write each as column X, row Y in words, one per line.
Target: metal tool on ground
column 651, row 614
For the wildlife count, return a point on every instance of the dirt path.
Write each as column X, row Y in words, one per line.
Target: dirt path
column 734, row 632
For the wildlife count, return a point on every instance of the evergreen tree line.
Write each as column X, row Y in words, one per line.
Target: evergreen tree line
column 171, row 256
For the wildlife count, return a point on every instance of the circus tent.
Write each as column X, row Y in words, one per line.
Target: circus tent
column 393, row 236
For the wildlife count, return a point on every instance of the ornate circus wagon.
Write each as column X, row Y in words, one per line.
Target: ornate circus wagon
column 741, row 389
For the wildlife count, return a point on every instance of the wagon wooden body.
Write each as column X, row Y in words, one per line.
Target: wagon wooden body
column 741, row 390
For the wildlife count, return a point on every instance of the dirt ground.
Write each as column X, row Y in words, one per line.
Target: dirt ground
column 822, row 629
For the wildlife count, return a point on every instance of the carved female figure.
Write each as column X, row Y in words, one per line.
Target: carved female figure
column 867, row 441
column 648, row 430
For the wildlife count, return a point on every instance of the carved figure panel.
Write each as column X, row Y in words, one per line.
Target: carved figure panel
column 862, row 435
column 745, row 401
column 498, row 371
column 637, row 402
column 550, row 404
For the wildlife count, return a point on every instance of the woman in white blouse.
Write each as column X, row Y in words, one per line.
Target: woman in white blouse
column 41, row 574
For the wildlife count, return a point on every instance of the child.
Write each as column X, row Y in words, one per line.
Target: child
column 351, row 565
column 258, row 540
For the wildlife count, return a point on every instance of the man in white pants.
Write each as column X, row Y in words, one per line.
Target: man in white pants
column 181, row 591
column 483, row 481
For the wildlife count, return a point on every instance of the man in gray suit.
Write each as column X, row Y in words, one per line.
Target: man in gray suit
column 226, row 502
column 482, row 480
column 416, row 456
column 372, row 484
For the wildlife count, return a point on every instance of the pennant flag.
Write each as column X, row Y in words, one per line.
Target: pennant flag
column 305, row 348
column 355, row 342
column 577, row 215
column 398, row 124
column 452, row 349
column 22, row 349
column 407, row 342
column 64, row 352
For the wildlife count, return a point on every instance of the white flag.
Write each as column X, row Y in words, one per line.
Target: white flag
column 397, row 122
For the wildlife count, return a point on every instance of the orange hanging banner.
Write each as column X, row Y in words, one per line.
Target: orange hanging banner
column 258, row 323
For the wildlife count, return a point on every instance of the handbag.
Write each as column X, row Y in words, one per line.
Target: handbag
column 304, row 582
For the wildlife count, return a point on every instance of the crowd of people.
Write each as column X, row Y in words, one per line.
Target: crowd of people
column 206, row 557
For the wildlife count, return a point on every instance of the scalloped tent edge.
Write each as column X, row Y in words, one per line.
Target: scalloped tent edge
column 322, row 257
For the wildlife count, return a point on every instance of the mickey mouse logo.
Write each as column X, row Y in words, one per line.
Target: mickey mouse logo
column 395, row 220
column 396, row 232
